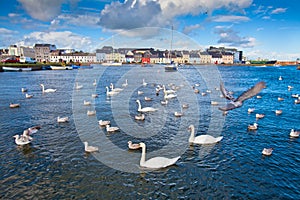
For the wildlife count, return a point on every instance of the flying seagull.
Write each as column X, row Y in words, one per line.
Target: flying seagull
column 238, row 102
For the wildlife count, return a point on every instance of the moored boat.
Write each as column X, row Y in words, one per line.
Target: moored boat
column 61, row 67
column 16, row 69
column 171, row 67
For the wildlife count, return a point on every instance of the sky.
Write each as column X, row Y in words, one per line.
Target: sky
column 267, row 29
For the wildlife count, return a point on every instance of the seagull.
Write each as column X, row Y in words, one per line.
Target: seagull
column 267, row 151
column 90, row 149
column 238, row 102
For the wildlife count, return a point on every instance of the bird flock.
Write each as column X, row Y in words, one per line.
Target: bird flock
column 167, row 96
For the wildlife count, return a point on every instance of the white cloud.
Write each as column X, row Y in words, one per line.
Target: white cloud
column 191, row 28
column 271, row 55
column 230, row 18
column 65, row 39
column 230, row 37
column 4, row 31
column 279, row 10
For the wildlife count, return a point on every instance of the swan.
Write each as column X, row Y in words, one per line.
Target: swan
column 115, row 89
column 259, row 116
column 62, row 119
column 20, row 140
column 111, row 128
column 267, row 152
column 110, row 93
column 103, row 122
column 24, row 90
column 144, row 83
column 168, row 91
column 140, row 117
column 294, row 133
column 125, row 84
column 165, row 102
column 14, row 105
column 47, row 90
column 28, row 96
column 156, row 162
column 89, row 149
column 253, row 127
column 133, row 146
column 86, row 103
column 95, row 83
column 202, row 139
column 78, row 87
column 91, row 112
column 145, row 109
column 169, row 96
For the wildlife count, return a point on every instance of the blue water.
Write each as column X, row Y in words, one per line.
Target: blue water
column 55, row 165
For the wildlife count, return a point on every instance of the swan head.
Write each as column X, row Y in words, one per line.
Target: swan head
column 85, row 143
column 142, row 145
column 16, row 136
column 191, row 127
column 129, row 142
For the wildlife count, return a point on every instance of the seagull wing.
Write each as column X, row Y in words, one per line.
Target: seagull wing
column 225, row 92
column 251, row 92
column 229, row 106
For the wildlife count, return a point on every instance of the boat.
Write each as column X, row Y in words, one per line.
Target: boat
column 53, row 67
column 16, row 69
column 82, row 67
column 172, row 66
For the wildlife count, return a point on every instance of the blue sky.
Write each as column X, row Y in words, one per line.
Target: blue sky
column 261, row 28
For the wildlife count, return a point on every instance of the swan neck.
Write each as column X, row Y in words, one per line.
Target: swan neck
column 192, row 136
column 143, row 157
column 140, row 106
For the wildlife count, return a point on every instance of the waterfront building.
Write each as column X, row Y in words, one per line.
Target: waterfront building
column 26, row 51
column 77, row 57
column 194, row 58
column 42, row 52
column 205, row 58
column 13, row 50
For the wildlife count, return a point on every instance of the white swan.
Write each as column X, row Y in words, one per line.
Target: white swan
column 78, row 87
column 145, row 109
column 267, row 152
column 148, row 99
column 62, row 119
column 28, row 96
column 110, row 93
column 20, row 140
column 178, row 114
column 95, row 83
column 259, row 116
column 168, row 91
column 89, row 149
column 91, row 112
column 169, row 96
column 125, row 84
column 133, row 146
column 103, row 122
column 140, row 92
column 156, row 162
column 202, row 139
column 86, row 103
column 294, row 133
column 111, row 128
column 112, row 87
column 47, row 90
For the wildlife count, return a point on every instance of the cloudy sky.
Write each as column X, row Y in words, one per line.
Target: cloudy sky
column 261, row 28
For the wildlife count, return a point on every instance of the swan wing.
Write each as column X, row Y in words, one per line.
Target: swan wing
column 159, row 162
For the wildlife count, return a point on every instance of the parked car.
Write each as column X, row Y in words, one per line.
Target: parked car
column 9, row 60
column 27, row 60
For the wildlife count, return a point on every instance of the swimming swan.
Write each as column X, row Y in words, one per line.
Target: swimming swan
column 145, row 109
column 62, row 119
column 202, row 139
column 110, row 93
column 156, row 162
column 47, row 90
